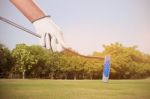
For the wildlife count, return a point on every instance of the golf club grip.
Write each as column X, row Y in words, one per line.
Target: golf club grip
column 19, row 26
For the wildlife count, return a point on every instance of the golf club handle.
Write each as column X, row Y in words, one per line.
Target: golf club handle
column 19, row 26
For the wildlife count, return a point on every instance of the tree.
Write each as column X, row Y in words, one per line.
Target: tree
column 24, row 60
column 37, row 62
column 93, row 67
column 53, row 64
column 65, row 61
column 42, row 55
column 6, row 61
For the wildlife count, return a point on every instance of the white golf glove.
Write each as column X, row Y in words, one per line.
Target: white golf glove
column 51, row 35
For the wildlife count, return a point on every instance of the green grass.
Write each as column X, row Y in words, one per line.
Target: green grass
column 70, row 89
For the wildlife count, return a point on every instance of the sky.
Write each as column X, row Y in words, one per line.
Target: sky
column 86, row 24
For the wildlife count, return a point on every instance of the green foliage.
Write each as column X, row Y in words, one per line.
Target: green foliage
column 6, row 61
column 37, row 62
column 127, row 62
column 23, row 58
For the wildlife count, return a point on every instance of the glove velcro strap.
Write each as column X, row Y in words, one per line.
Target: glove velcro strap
column 40, row 18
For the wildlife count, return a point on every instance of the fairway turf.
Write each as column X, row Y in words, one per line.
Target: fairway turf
column 74, row 89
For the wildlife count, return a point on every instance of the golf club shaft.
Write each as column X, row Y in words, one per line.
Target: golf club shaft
column 37, row 35
column 19, row 26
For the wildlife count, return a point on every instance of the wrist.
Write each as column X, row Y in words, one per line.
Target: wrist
column 42, row 17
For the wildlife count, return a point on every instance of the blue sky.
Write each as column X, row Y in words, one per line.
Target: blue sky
column 87, row 24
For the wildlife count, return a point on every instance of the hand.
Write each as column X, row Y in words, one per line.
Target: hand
column 51, row 34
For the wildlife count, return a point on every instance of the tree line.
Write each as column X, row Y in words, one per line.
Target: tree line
column 36, row 62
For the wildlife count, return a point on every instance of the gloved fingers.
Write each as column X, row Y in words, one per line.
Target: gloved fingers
column 59, row 48
column 48, row 41
column 60, row 39
column 54, row 44
column 62, row 43
column 42, row 41
column 51, row 42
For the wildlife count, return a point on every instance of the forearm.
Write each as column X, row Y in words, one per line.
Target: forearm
column 29, row 9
